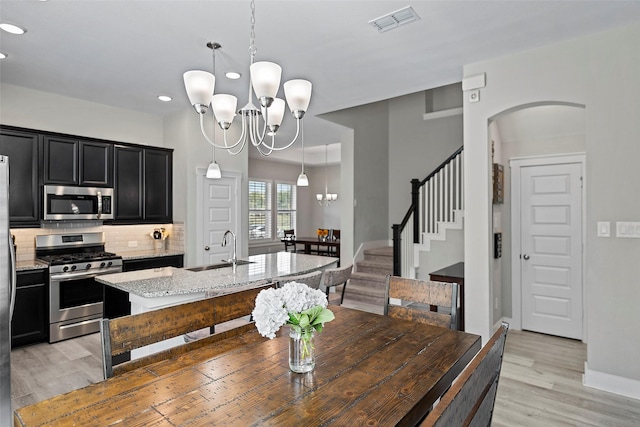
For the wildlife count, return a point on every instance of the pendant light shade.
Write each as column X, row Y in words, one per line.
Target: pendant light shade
column 303, row 181
column 265, row 78
column 199, row 86
column 224, row 108
column 213, row 171
column 298, row 95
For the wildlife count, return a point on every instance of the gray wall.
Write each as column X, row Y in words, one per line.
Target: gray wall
column 602, row 72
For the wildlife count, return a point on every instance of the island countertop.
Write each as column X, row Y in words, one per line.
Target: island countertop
column 171, row 281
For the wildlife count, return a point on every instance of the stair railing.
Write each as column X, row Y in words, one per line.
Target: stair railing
column 433, row 200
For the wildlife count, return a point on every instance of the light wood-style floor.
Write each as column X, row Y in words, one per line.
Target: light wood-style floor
column 540, row 383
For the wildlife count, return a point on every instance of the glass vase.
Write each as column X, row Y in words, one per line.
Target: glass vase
column 302, row 350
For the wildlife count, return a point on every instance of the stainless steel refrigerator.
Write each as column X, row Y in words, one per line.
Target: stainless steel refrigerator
column 7, row 295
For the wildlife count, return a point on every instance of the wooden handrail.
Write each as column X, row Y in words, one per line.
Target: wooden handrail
column 442, row 165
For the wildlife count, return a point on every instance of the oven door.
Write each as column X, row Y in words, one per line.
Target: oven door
column 75, row 304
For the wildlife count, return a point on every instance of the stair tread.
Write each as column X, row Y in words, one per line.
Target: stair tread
column 384, row 251
column 369, row 276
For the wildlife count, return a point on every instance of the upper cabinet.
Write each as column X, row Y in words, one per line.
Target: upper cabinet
column 141, row 176
column 69, row 161
column 24, row 194
column 143, row 185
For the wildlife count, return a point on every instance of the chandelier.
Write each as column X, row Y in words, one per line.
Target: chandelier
column 265, row 82
column 326, row 198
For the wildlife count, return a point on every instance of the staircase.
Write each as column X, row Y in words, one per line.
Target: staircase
column 366, row 289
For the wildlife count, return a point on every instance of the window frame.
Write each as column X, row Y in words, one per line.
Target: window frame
column 272, row 209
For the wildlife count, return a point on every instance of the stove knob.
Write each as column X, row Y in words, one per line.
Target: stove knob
column 102, row 264
column 88, row 266
column 65, row 268
column 73, row 268
column 109, row 264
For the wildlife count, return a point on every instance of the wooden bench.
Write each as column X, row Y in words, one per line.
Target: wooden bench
column 471, row 398
column 128, row 333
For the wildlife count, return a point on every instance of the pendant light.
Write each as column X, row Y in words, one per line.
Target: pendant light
column 326, row 198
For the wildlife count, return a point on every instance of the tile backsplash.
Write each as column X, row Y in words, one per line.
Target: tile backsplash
column 118, row 238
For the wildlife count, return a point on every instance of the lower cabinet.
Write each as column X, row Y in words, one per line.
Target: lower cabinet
column 30, row 322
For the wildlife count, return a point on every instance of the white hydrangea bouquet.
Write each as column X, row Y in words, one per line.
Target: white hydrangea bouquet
column 302, row 308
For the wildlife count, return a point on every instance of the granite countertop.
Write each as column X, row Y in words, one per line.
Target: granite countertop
column 148, row 254
column 166, row 281
column 31, row 264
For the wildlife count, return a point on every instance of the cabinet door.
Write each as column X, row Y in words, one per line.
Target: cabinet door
column 96, row 164
column 128, row 188
column 24, row 194
column 30, row 323
column 60, row 161
column 158, row 186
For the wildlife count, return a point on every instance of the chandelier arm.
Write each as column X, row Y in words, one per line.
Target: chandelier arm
column 204, row 133
column 295, row 138
column 239, row 150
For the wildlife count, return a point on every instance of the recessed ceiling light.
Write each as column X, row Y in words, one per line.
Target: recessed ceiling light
column 164, row 98
column 13, row 29
column 232, row 75
column 2, row 55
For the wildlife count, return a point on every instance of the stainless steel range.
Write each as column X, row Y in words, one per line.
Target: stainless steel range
column 75, row 297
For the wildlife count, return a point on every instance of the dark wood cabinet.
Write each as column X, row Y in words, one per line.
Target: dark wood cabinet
column 30, row 323
column 155, row 262
column 70, row 161
column 128, row 185
column 157, row 185
column 96, row 164
column 143, row 185
column 24, row 191
column 60, row 160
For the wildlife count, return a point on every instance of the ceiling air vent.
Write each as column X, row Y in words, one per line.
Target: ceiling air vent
column 395, row 19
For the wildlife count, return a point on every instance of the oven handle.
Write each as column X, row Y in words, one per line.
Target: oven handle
column 85, row 322
column 83, row 274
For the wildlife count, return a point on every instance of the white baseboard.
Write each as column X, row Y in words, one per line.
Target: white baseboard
column 611, row 383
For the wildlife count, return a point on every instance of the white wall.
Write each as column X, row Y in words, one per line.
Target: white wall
column 416, row 147
column 601, row 72
column 38, row 110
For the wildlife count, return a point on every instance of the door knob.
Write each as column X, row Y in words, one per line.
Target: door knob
column 206, row 248
column 526, row 257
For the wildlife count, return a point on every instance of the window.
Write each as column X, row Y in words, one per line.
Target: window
column 265, row 223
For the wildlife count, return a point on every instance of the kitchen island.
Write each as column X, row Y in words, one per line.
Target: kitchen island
column 166, row 286
column 163, row 287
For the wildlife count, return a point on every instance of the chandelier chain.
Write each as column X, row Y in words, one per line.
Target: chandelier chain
column 252, row 33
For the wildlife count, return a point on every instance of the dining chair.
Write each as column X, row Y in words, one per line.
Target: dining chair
column 471, row 398
column 289, row 235
column 312, row 279
column 123, row 334
column 335, row 277
column 435, row 303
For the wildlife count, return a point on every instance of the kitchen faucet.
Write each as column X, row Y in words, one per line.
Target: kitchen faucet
column 234, row 259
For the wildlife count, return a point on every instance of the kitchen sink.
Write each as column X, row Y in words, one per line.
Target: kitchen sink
column 222, row 264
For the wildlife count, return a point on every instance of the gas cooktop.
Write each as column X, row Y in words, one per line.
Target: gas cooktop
column 78, row 257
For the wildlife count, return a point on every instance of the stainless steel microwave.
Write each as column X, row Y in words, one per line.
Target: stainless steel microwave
column 77, row 203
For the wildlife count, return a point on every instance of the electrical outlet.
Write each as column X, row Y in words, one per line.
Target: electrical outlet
column 133, row 243
column 495, row 303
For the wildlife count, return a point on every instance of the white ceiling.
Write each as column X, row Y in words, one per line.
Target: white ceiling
column 125, row 53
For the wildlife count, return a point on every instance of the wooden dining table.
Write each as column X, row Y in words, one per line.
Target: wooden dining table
column 308, row 242
column 370, row 370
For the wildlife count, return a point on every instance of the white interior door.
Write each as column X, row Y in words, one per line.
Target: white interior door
column 218, row 209
column 551, row 249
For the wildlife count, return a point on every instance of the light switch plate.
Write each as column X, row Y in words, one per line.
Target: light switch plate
column 628, row 229
column 604, row 229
